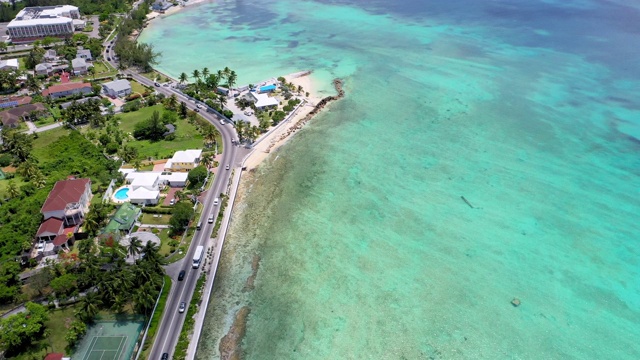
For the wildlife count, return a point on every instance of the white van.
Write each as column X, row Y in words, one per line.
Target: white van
column 216, row 201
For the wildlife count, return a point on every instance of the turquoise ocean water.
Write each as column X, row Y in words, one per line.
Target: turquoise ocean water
column 528, row 109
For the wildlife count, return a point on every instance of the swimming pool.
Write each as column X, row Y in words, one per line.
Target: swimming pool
column 122, row 194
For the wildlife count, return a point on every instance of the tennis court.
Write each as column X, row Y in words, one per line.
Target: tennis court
column 106, row 348
column 109, row 340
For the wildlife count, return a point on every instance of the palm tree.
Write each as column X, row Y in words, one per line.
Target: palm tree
column 91, row 70
column 205, row 72
column 32, row 83
column 183, row 78
column 38, row 180
column 196, row 74
column 207, row 160
column 223, row 101
column 212, row 82
column 226, row 71
column 144, row 298
column 240, row 128
column 137, row 164
column 89, row 306
column 178, row 195
column 209, row 136
column 231, row 79
column 135, row 246
column 172, row 102
column 12, row 189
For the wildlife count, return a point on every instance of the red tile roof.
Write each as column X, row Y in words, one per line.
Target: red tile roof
column 64, row 192
column 54, row 356
column 51, row 225
column 64, row 87
column 60, row 239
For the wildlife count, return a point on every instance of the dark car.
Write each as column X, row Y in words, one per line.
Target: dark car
column 156, row 84
column 181, row 275
column 196, row 110
column 165, row 356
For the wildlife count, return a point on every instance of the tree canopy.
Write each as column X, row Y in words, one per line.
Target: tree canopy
column 197, row 175
column 182, row 214
column 23, row 328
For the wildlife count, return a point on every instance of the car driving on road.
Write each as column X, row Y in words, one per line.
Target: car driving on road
column 182, row 307
column 181, row 275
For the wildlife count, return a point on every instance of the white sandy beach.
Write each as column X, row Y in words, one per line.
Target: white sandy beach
column 274, row 139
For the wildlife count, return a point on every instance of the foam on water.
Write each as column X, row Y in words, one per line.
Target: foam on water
column 367, row 250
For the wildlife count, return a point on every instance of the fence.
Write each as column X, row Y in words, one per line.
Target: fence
column 109, row 191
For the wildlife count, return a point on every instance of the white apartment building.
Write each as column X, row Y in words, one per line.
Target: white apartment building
column 33, row 23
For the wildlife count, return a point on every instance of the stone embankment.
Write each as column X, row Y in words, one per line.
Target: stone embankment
column 337, row 83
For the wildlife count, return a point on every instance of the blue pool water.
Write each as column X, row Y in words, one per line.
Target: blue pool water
column 122, row 194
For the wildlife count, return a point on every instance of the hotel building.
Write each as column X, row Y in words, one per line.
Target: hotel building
column 33, row 23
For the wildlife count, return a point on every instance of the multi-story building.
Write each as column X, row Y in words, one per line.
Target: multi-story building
column 33, row 23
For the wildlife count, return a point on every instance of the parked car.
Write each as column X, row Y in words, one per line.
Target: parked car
column 172, row 202
column 248, row 112
column 182, row 307
column 181, row 275
column 40, row 247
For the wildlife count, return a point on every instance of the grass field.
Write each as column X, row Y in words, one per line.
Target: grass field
column 129, row 120
column 44, row 139
column 56, row 325
column 151, row 220
column 136, row 87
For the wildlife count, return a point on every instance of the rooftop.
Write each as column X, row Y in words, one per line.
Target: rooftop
column 143, row 194
column 51, row 225
column 263, row 100
column 143, row 178
column 9, row 62
column 123, row 219
column 65, row 192
column 186, row 155
column 65, row 87
column 78, row 62
column 117, row 85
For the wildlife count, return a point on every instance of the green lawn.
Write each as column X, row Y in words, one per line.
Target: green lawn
column 44, row 139
column 4, row 183
column 57, row 327
column 165, row 249
column 103, row 70
column 155, row 219
column 136, row 87
column 152, row 75
column 129, row 120
column 44, row 121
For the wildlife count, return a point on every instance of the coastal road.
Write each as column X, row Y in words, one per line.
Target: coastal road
column 172, row 321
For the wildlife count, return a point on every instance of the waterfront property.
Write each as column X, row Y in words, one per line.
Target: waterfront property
column 263, row 101
column 33, row 23
column 118, row 88
column 68, row 89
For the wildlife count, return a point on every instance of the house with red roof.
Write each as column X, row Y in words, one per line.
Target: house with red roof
column 68, row 89
column 64, row 211
column 56, row 356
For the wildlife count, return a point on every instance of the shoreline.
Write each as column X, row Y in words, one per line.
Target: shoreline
column 230, row 344
column 172, row 10
column 312, row 106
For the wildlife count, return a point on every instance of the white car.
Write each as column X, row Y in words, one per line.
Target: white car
column 40, row 247
column 248, row 112
column 199, row 106
column 222, row 122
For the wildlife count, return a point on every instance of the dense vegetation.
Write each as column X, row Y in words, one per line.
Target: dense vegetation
column 130, row 52
column 20, row 213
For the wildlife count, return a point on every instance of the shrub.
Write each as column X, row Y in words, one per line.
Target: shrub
column 133, row 97
column 156, row 210
column 5, row 160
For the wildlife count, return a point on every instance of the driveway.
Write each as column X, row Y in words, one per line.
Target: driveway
column 44, row 128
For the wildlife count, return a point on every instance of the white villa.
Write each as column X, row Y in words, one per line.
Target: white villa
column 184, row 160
column 263, row 101
column 9, row 64
column 144, row 187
